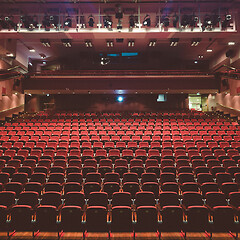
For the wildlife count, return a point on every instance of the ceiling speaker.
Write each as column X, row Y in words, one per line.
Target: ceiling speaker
column 230, row 53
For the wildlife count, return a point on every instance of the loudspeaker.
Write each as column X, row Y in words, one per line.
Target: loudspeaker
column 119, row 40
column 230, row 53
column 225, row 83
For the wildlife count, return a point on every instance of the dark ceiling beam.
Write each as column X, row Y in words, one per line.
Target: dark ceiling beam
column 122, row 2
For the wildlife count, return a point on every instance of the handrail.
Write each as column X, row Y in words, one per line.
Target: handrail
column 118, row 73
column 229, row 110
column 9, row 109
column 226, row 66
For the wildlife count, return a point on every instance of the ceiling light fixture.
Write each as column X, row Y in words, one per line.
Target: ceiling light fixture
column 174, row 42
column 110, row 43
column 67, row 43
column 88, row 44
column 131, row 43
column 45, row 42
column 31, row 49
column 152, row 43
column 42, row 55
column 9, row 54
column 195, row 42
column 231, row 43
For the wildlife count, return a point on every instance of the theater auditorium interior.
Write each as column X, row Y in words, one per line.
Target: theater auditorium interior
column 119, row 119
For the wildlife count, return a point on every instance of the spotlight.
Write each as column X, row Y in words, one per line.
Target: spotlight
column 91, row 21
column 215, row 20
column 107, row 22
column 132, row 21
column 226, row 21
column 82, row 22
column 119, row 24
column 228, row 17
column 147, row 21
column 54, row 20
column 120, row 99
column 50, row 21
column 29, row 22
column 207, row 21
column 185, row 20
column 7, row 23
column 46, row 23
column 192, row 21
column 104, row 61
column 210, row 22
column 175, row 20
column 165, row 21
column 3, row 23
column 68, row 22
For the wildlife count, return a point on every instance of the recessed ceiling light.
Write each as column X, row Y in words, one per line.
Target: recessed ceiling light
column 209, row 50
column 42, row 55
column 31, row 49
column 9, row 54
column 231, row 43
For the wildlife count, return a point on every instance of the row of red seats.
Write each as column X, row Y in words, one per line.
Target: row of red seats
column 121, row 219
column 185, row 201
column 111, row 183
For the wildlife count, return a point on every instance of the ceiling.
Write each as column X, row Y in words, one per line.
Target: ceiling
column 215, row 40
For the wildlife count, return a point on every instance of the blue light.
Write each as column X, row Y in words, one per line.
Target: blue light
column 120, row 99
column 129, row 54
column 113, row 55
